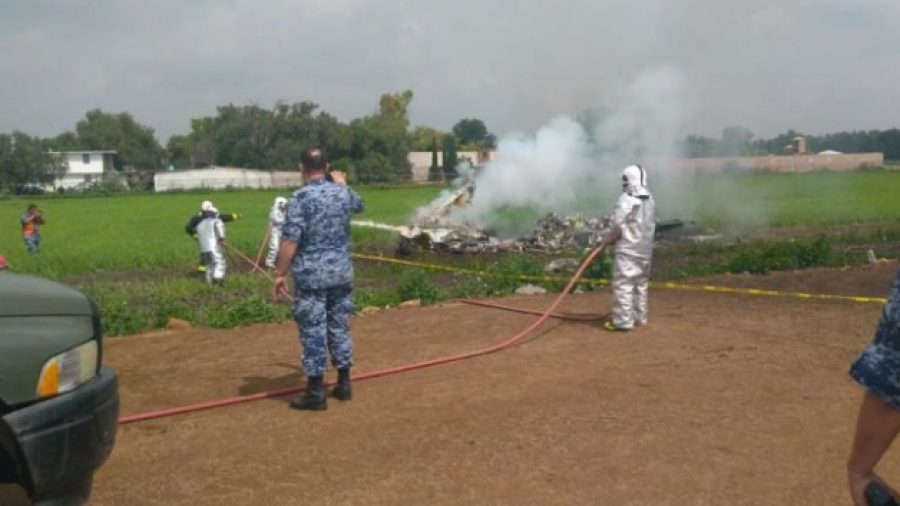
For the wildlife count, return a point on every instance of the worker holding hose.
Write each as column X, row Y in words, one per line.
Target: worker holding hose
column 878, row 422
column 210, row 238
column 315, row 245
column 276, row 222
column 634, row 224
column 191, row 227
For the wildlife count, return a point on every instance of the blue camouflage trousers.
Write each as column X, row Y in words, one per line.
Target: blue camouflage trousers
column 323, row 319
column 878, row 369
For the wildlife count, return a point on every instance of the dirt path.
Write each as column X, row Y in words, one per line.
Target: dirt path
column 723, row 399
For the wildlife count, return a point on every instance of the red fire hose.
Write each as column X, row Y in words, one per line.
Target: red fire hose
column 544, row 316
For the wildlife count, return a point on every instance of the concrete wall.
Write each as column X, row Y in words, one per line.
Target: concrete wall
column 787, row 164
column 224, row 177
column 421, row 161
column 421, row 164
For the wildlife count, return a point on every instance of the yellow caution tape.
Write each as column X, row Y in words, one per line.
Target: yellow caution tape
column 604, row 282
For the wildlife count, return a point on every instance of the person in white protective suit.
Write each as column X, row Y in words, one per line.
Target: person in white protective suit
column 634, row 225
column 211, row 237
column 276, row 220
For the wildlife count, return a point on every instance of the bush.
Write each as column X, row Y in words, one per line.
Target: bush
column 166, row 308
column 119, row 318
column 365, row 297
column 375, row 168
column 507, row 273
column 254, row 309
column 762, row 257
column 418, row 284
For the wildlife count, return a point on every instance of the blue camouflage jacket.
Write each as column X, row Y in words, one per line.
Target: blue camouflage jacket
column 878, row 368
column 318, row 220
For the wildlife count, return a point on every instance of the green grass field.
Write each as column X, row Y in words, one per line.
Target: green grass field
column 136, row 232
column 130, row 252
column 815, row 199
column 141, row 232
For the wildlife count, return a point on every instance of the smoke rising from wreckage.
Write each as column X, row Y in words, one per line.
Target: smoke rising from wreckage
column 444, row 226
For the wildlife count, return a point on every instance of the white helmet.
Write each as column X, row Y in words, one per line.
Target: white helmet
column 206, row 205
column 634, row 175
column 213, row 210
column 280, row 201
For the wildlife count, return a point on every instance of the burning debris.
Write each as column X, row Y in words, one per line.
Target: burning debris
column 443, row 226
column 436, row 214
column 554, row 233
column 550, row 234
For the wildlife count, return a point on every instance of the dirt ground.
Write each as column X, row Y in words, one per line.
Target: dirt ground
column 723, row 399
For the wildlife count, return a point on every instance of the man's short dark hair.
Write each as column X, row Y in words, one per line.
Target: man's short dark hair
column 314, row 159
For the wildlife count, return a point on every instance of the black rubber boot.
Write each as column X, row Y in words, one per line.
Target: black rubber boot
column 342, row 391
column 313, row 399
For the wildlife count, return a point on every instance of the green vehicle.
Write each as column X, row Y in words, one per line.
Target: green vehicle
column 59, row 407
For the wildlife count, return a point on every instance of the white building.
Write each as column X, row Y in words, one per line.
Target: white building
column 84, row 168
column 225, row 177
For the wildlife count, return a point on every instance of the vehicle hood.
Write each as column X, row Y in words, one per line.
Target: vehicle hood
column 31, row 296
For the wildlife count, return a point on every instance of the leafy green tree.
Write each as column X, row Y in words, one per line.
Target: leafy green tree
column 66, row 141
column 179, row 148
column 395, row 106
column 134, row 143
column 375, row 168
column 736, row 141
column 889, row 143
column 695, row 146
column 451, row 159
column 473, row 134
column 383, row 136
column 422, row 138
column 779, row 145
column 27, row 160
column 435, row 173
column 254, row 137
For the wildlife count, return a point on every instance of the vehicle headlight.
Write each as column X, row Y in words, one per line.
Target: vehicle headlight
column 67, row 371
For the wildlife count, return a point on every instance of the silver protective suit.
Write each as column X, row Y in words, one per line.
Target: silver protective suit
column 277, row 215
column 635, row 213
column 210, row 234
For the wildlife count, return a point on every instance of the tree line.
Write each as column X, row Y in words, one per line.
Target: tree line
column 372, row 148
column 739, row 141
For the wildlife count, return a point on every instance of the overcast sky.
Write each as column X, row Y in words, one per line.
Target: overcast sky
column 814, row 65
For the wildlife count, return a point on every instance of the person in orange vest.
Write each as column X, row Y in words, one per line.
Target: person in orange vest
column 31, row 228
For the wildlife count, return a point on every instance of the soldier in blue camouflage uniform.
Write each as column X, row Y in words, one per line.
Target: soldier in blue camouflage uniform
column 878, row 370
column 316, row 246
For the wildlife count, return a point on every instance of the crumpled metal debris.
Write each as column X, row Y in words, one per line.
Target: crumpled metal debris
column 554, row 233
column 549, row 234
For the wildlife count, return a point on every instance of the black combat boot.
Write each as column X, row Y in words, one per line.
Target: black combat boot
column 313, row 399
column 342, row 390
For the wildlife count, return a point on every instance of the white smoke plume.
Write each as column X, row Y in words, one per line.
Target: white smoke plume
column 574, row 164
column 544, row 172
